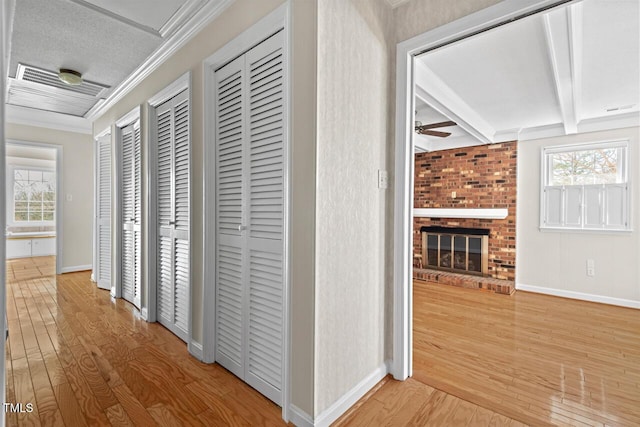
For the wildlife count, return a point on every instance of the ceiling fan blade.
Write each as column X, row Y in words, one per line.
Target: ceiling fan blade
column 434, row 133
column 437, row 125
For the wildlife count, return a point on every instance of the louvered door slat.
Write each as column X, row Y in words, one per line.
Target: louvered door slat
column 249, row 216
column 173, row 199
column 182, row 165
column 229, row 134
column 103, row 198
column 130, row 255
column 164, row 168
column 165, row 279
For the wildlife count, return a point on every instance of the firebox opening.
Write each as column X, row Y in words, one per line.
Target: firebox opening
column 458, row 249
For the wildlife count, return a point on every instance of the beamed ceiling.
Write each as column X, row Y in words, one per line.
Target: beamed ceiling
column 570, row 70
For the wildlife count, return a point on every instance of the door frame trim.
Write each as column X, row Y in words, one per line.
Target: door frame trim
column 59, row 149
column 277, row 20
column 469, row 25
column 181, row 83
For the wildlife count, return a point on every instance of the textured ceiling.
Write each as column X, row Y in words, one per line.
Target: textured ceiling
column 55, row 34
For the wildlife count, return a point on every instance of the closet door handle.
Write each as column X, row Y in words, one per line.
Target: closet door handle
column 242, row 227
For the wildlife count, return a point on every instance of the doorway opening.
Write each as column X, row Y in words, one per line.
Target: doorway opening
column 34, row 215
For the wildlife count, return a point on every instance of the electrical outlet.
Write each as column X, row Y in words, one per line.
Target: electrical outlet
column 69, row 197
column 591, row 268
column 383, row 179
column 453, row 194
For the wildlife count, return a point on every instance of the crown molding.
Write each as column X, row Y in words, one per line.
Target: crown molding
column 47, row 119
column 205, row 15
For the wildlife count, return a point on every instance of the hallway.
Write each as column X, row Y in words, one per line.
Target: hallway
column 83, row 359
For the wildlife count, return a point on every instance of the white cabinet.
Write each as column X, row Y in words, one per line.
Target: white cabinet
column 18, row 248
column 37, row 246
column 43, row 247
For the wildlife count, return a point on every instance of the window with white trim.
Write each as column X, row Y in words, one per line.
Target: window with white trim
column 34, row 195
column 585, row 187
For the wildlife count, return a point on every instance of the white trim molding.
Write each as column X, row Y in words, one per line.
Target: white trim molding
column 181, row 37
column 340, row 406
column 460, row 213
column 195, row 349
column 75, row 268
column 47, row 119
column 579, row 296
column 181, row 83
column 498, row 14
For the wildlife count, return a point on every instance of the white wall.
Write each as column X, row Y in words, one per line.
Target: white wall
column 555, row 262
column 77, row 180
column 354, row 57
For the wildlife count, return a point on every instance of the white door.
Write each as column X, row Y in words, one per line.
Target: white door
column 103, row 214
column 173, row 183
column 131, row 213
column 249, row 216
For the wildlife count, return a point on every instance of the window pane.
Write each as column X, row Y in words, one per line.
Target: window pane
column 35, row 176
column 34, row 195
column 585, row 167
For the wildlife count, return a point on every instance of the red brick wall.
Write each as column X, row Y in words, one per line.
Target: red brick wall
column 482, row 177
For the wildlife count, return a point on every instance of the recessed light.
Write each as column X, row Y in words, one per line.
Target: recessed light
column 70, row 77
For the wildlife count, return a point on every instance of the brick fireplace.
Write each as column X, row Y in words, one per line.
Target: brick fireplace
column 482, row 177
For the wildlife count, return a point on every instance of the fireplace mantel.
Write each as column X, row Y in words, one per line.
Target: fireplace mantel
column 461, row 213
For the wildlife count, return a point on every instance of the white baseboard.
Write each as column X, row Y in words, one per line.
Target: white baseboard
column 348, row 399
column 579, row 295
column 74, row 268
column 195, row 349
column 299, row 418
column 144, row 313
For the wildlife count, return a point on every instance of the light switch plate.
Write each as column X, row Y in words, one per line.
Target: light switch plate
column 383, row 179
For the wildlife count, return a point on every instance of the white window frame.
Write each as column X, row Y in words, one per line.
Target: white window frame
column 11, row 202
column 579, row 219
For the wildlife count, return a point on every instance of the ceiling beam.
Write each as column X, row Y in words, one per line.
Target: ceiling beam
column 563, row 37
column 432, row 90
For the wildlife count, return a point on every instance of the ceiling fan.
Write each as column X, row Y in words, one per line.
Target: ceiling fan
column 427, row 129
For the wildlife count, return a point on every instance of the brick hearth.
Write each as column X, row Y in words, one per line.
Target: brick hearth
column 498, row 286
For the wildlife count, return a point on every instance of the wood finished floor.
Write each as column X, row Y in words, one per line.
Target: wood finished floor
column 535, row 358
column 479, row 360
column 85, row 360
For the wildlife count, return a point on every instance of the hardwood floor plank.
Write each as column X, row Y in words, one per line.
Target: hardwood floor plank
column 132, row 406
column 118, row 416
column 69, row 407
column 163, row 416
column 217, row 410
column 24, row 393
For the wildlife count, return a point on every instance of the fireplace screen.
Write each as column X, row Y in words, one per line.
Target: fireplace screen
column 454, row 250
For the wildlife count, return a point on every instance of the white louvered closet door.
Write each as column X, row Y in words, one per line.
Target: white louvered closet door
column 250, row 215
column 103, row 233
column 173, row 267
column 131, row 213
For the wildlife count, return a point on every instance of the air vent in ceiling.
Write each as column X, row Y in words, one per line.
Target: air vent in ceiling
column 50, row 78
